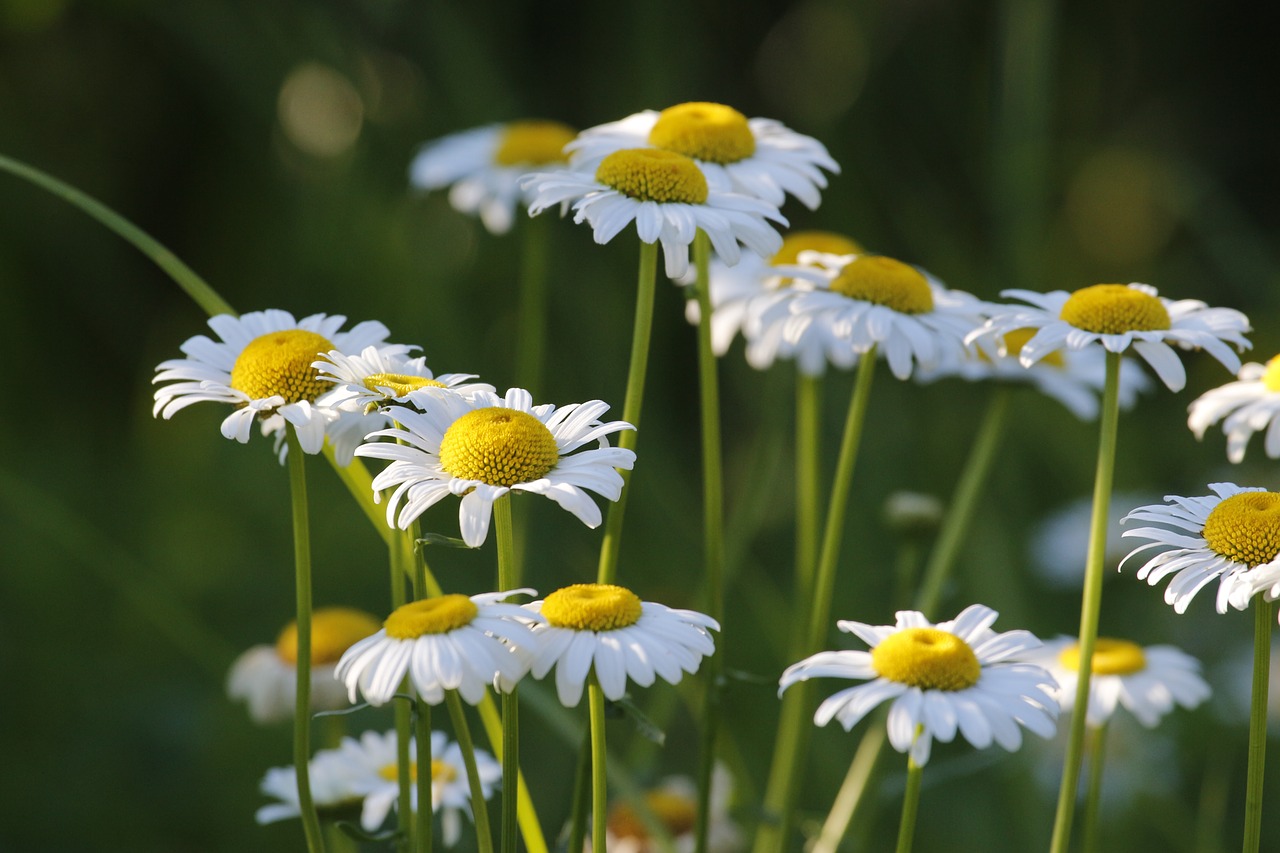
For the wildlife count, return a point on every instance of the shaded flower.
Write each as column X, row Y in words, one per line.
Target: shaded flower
column 674, row 803
column 1250, row 404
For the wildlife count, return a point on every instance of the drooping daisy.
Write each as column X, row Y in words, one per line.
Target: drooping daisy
column 1232, row 535
column 377, row 377
column 608, row 630
column 1149, row 681
column 674, row 803
column 483, row 447
column 1120, row 317
column 265, row 677
column 1250, row 404
column 262, row 366
column 667, row 196
column 954, row 676
column 483, row 166
column 451, row 642
column 758, row 157
column 874, row 301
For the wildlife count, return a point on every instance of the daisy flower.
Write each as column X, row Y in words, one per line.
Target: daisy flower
column 265, row 676
column 334, row 786
column 1120, row 317
column 667, row 196
column 608, row 630
column 1250, row 404
column 450, row 642
column 1148, row 681
column 758, row 157
column 377, row 377
column 953, row 676
column 262, row 366
column 483, row 166
column 485, row 446
column 874, row 301
column 1232, row 535
column 674, row 803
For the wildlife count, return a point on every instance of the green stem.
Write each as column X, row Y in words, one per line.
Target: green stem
column 531, row 328
column 789, row 749
column 808, row 480
column 851, row 789
column 527, row 815
column 955, row 525
column 645, row 289
column 599, row 784
column 186, row 278
column 581, row 796
column 1093, row 798
column 422, row 830
column 1263, row 611
column 479, row 808
column 510, row 703
column 1091, row 601
column 910, row 807
column 401, row 570
column 713, row 530
column 302, row 704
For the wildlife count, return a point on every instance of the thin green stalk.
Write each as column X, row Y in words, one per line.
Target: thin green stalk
column 1263, row 611
column 302, row 577
column 713, row 530
column 581, row 796
column 531, row 325
column 527, row 815
column 422, row 831
column 910, row 807
column 401, row 571
column 955, row 524
column 793, row 724
column 510, row 703
column 1093, row 798
column 1091, row 601
column 851, row 789
column 808, row 480
column 599, row 784
column 645, row 289
column 479, row 808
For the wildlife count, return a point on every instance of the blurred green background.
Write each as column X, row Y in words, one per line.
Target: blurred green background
column 1017, row 144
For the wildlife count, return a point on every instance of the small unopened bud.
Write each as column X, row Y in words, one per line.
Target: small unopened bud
column 912, row 514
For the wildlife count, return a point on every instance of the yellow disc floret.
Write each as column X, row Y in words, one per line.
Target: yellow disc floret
column 885, row 281
column 648, row 174
column 533, row 143
column 391, row 772
column 443, row 772
column 827, row 242
column 399, row 383
column 438, row 615
column 333, row 631
column 279, row 363
column 592, row 607
column 1271, row 378
column 1245, row 528
column 1113, row 309
column 498, row 446
column 677, row 815
column 1014, row 342
column 927, row 658
column 704, row 131
column 1110, row 657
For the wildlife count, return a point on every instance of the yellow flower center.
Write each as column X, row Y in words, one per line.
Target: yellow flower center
column 1014, row 342
column 649, row 174
column 1271, row 378
column 1113, row 309
column 438, row 615
column 592, row 607
column 927, row 658
column 705, row 131
column 676, row 813
column 1110, row 657
column 1245, row 528
column 441, row 772
column 280, row 363
column 533, row 143
column 498, row 446
column 399, row 383
column 885, row 281
column 827, row 242
column 333, row 631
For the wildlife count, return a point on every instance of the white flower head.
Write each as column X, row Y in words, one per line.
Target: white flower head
column 1149, row 682
column 1232, row 535
column 483, row 446
column 483, row 166
column 1250, row 404
column 450, row 642
column 667, row 196
column 262, row 366
column 674, row 803
column 758, row 157
column 265, row 677
column 954, row 676
column 874, row 302
column 607, row 629
column 1120, row 317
